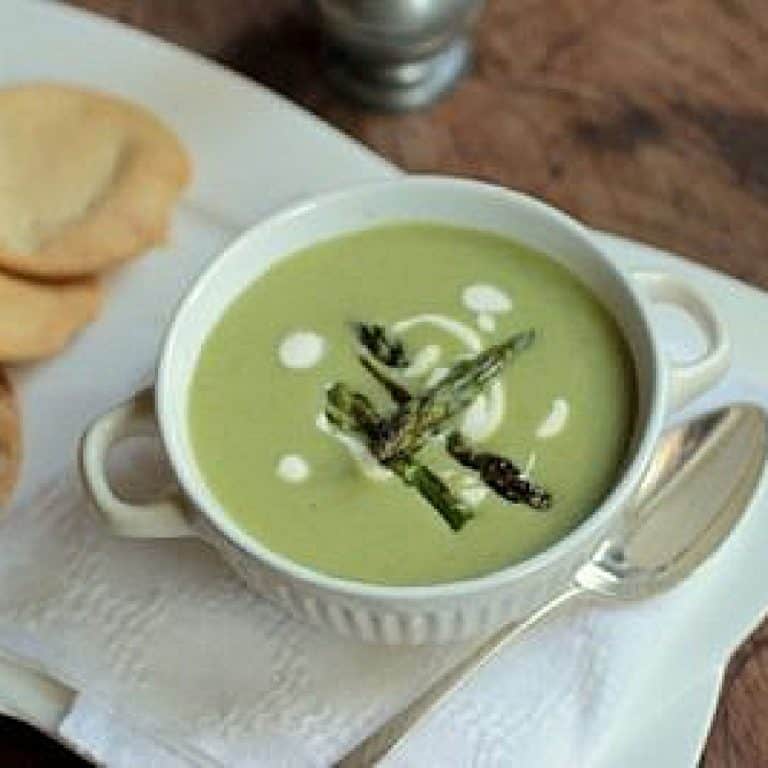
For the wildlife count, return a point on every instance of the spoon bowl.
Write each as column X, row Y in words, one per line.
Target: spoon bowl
column 694, row 493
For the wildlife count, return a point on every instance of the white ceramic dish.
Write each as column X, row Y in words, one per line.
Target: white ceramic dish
column 224, row 118
column 440, row 613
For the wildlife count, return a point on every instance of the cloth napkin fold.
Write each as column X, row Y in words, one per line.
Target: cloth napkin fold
column 180, row 665
column 177, row 664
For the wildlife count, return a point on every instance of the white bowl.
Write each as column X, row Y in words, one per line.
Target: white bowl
column 436, row 613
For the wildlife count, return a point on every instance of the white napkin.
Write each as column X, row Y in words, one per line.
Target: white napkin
column 177, row 664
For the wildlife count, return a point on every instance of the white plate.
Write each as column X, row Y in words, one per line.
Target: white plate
column 255, row 152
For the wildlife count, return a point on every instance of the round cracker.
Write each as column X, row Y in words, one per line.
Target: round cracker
column 38, row 319
column 10, row 439
column 86, row 180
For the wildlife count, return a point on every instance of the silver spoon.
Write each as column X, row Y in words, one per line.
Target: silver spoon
column 700, row 481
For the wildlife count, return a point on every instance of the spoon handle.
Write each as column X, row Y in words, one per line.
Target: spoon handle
column 392, row 734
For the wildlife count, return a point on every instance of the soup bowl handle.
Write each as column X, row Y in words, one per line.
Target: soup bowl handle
column 690, row 379
column 158, row 519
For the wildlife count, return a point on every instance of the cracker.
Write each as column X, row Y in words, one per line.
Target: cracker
column 10, row 439
column 86, row 180
column 38, row 319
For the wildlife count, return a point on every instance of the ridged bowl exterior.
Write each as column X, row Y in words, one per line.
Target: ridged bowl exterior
column 413, row 621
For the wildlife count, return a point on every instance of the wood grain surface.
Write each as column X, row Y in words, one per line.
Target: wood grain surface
column 644, row 117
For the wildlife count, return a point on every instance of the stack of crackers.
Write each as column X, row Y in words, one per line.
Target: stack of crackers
column 87, row 181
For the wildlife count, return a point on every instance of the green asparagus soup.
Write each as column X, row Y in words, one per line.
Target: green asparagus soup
column 412, row 404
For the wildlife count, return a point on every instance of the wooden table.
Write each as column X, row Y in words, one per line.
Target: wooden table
column 644, row 117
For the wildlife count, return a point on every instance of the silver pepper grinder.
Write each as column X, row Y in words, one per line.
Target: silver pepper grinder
column 396, row 54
